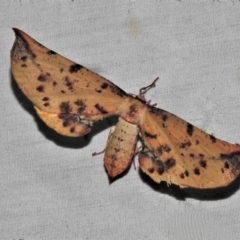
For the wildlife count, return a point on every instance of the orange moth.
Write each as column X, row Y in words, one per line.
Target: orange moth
column 69, row 98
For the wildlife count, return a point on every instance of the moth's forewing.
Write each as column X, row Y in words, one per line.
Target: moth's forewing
column 60, row 86
column 120, row 148
column 179, row 153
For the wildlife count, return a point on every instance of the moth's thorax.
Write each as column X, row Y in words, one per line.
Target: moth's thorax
column 133, row 110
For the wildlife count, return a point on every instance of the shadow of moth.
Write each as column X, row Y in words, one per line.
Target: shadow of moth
column 69, row 98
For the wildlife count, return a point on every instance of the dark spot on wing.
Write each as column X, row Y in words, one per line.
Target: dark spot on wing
column 54, row 83
column 51, row 52
column 159, row 167
column 104, row 85
column 98, row 90
column 203, row 163
column 151, row 170
column 149, row 135
column 75, row 67
column 81, row 105
column 197, row 142
column 66, row 123
column 24, row 58
column 186, row 173
column 164, row 117
column 45, row 99
column 185, row 144
column 46, row 104
column 72, row 129
column 43, row 77
column 100, row 108
column 191, row 155
column 182, row 175
column 163, row 148
column 24, row 65
column 196, row 171
column 213, row 139
column 65, row 107
column 170, row 163
column 226, row 165
column 63, row 115
column 68, row 83
column 40, row 88
column 190, row 129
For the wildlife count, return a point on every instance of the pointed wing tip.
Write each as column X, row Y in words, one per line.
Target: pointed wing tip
column 17, row 31
column 21, row 34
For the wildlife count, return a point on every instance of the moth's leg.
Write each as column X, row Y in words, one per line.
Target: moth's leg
column 120, row 148
column 98, row 153
column 143, row 90
column 109, row 138
column 137, row 151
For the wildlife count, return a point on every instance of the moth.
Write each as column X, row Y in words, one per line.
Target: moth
column 69, row 98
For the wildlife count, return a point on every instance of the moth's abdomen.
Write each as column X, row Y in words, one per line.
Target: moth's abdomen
column 120, row 148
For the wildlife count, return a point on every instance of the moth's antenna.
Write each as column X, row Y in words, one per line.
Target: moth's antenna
column 143, row 90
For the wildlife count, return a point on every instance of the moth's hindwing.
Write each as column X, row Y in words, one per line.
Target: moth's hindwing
column 71, row 126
